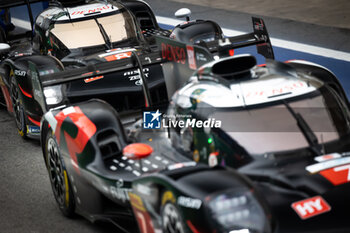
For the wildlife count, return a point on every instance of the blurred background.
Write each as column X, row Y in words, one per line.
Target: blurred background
column 321, row 12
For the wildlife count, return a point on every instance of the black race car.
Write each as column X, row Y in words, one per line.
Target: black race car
column 106, row 168
column 285, row 126
column 68, row 35
column 75, row 34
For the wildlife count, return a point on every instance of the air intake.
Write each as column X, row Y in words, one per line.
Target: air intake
column 234, row 67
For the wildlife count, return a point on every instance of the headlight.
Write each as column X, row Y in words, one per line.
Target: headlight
column 53, row 94
column 238, row 211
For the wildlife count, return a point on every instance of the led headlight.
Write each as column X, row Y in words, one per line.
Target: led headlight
column 53, row 94
column 238, row 211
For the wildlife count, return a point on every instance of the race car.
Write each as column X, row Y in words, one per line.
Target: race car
column 72, row 34
column 282, row 125
column 69, row 35
column 105, row 168
column 144, row 186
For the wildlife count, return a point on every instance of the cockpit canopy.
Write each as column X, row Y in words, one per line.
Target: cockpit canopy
column 82, row 26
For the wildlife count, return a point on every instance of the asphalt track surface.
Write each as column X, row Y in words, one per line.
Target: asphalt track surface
column 27, row 204
column 26, row 201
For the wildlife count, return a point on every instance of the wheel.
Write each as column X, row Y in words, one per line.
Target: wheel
column 171, row 219
column 18, row 108
column 2, row 35
column 59, row 177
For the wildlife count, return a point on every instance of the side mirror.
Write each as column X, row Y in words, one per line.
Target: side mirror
column 183, row 12
column 4, row 48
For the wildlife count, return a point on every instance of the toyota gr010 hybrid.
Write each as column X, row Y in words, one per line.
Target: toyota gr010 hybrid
column 74, row 34
column 68, row 35
column 105, row 169
column 284, row 126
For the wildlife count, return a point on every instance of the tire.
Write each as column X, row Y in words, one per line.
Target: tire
column 18, row 109
column 172, row 221
column 58, row 174
column 2, row 36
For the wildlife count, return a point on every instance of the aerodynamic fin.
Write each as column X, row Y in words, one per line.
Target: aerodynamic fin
column 261, row 33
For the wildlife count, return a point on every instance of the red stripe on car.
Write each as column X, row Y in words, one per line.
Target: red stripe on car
column 24, row 92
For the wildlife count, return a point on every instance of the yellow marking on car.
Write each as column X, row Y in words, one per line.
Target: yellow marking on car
column 21, row 132
column 136, row 202
column 67, row 187
column 168, row 196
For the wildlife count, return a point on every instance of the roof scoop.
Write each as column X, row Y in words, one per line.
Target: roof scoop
column 234, row 67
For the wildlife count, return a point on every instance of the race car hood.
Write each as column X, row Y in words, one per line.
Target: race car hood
column 304, row 193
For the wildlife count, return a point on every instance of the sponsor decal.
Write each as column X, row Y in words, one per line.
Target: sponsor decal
column 20, row 73
column 136, row 202
column 191, row 57
column 323, row 158
column 173, row 53
column 143, row 218
column 134, row 75
column 338, row 175
column 120, row 193
column 201, row 57
column 288, row 88
column 152, row 120
column 117, row 56
column 213, row 159
column 196, row 156
column 168, row 196
column 189, row 202
column 33, row 129
column 46, row 72
column 181, row 165
column 89, row 80
column 311, row 207
column 143, row 189
column 314, row 168
column 119, row 183
column 91, row 10
column 259, row 26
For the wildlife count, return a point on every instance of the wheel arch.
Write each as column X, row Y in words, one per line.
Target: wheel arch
column 322, row 73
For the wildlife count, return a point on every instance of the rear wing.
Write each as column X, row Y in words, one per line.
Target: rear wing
column 196, row 55
column 258, row 37
column 183, row 58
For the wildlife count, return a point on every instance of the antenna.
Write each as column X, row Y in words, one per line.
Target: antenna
column 147, row 95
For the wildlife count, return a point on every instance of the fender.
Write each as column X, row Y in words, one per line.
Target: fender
column 322, row 73
column 86, row 133
column 20, row 68
column 85, row 130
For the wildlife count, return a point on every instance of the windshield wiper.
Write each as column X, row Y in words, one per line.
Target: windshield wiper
column 104, row 35
column 309, row 135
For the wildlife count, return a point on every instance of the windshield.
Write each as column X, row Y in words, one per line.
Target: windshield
column 272, row 128
column 85, row 33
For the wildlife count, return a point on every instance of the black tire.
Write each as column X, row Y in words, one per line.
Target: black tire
column 172, row 221
column 2, row 36
column 18, row 109
column 58, row 174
